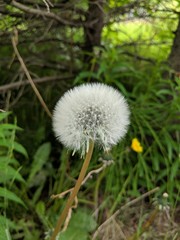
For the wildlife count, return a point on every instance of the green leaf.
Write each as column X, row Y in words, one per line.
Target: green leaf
column 20, row 149
column 174, row 170
column 10, row 196
column 6, row 159
column 9, row 173
column 40, row 158
column 8, row 126
column 4, row 233
column 84, row 75
column 73, row 234
column 8, row 143
column 3, row 115
column 81, row 224
column 40, row 208
column 4, row 221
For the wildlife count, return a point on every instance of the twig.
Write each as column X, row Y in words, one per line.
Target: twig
column 42, row 13
column 47, row 3
column 96, row 171
column 123, row 208
column 13, row 85
column 61, row 195
column 68, row 218
column 14, row 43
column 89, row 175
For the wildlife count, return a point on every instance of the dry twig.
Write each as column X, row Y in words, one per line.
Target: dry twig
column 14, row 43
column 18, row 84
column 106, row 163
column 48, row 3
column 104, row 224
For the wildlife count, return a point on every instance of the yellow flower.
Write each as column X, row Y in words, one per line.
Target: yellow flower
column 136, row 145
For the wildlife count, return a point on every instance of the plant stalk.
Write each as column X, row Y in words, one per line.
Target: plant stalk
column 74, row 192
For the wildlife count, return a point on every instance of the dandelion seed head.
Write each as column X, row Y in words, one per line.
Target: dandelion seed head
column 91, row 111
column 165, row 195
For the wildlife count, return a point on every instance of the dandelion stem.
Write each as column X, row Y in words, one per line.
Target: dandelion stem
column 74, row 192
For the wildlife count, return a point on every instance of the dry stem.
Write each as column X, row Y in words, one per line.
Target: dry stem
column 14, row 43
column 74, row 192
column 89, row 175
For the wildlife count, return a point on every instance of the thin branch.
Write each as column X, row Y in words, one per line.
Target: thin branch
column 14, row 43
column 43, row 13
column 66, row 6
column 48, row 3
column 106, row 163
column 18, row 84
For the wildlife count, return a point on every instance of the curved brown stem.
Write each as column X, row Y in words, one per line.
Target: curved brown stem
column 74, row 192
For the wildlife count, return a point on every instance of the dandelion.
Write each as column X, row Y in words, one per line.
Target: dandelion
column 165, row 195
column 136, row 145
column 88, row 114
column 94, row 112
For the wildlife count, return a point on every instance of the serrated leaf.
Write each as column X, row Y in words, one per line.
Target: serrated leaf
column 20, row 149
column 9, row 173
column 40, row 158
column 14, row 145
column 10, row 196
column 6, row 159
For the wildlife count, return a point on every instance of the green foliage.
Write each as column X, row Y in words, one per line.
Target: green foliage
column 9, row 195
column 40, row 158
column 149, row 36
column 5, row 224
column 9, row 171
column 37, row 177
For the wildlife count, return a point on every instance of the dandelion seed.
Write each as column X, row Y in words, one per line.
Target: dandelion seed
column 136, row 145
column 165, row 195
column 91, row 112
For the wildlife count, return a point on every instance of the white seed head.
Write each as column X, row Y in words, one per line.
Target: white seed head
column 90, row 111
column 165, row 195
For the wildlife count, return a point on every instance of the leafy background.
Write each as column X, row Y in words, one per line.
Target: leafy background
column 132, row 55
